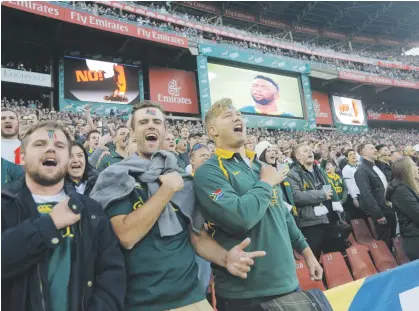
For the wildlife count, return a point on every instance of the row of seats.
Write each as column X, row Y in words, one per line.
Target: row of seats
column 366, row 256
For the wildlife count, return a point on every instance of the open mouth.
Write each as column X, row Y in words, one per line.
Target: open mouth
column 238, row 128
column 172, row 145
column 8, row 126
column 76, row 166
column 49, row 162
column 152, row 138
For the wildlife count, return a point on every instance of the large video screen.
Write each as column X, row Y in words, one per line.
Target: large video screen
column 348, row 110
column 96, row 81
column 256, row 92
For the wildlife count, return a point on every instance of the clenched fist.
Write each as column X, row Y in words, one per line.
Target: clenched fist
column 173, row 181
column 63, row 216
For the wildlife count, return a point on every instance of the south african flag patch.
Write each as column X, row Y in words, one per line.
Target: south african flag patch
column 217, row 194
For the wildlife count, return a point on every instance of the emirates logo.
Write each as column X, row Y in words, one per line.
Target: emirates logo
column 173, row 88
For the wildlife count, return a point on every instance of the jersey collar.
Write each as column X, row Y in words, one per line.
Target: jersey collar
column 226, row 154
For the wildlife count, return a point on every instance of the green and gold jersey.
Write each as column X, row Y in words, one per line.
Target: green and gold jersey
column 161, row 271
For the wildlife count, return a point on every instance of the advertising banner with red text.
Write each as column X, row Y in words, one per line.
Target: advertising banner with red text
column 322, row 108
column 174, row 89
column 369, row 79
column 240, row 15
column 392, row 117
column 99, row 22
column 201, row 5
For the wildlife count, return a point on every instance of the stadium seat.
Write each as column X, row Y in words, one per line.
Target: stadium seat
column 303, row 275
column 361, row 232
column 399, row 251
column 335, row 270
column 382, row 256
column 360, row 261
column 372, row 227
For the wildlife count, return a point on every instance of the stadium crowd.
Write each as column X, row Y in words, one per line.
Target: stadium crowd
column 195, row 34
column 320, row 179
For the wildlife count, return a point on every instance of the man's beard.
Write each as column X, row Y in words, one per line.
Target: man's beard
column 7, row 135
column 263, row 101
column 44, row 180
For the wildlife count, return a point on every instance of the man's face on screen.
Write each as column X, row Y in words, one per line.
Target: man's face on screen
column 263, row 92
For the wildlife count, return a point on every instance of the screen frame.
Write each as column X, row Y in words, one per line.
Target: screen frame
column 76, row 106
column 259, row 69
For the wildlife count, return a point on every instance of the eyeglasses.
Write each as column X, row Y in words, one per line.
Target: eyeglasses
column 197, row 146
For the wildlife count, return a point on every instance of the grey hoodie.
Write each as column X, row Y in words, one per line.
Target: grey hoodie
column 118, row 181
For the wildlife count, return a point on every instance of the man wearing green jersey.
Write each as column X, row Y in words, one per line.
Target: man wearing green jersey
column 242, row 198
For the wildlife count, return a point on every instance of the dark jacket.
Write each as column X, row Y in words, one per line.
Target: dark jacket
column 385, row 168
column 372, row 191
column 406, row 203
column 97, row 277
column 90, row 177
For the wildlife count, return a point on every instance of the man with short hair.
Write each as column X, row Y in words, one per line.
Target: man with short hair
column 395, row 155
column 120, row 151
column 241, row 197
column 313, row 200
column 92, row 141
column 10, row 143
column 170, row 145
column 372, row 184
column 265, row 93
column 184, row 133
column 58, row 249
column 194, row 139
column 348, row 174
column 160, row 230
column 383, row 160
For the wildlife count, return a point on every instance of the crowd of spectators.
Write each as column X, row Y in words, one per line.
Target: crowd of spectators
column 391, row 110
column 192, row 33
column 25, row 66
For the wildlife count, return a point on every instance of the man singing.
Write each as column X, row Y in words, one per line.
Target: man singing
column 265, row 93
column 160, row 231
column 242, row 198
column 59, row 252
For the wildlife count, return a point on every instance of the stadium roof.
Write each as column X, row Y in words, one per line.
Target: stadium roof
column 390, row 19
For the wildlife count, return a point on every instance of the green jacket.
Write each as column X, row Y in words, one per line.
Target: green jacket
column 238, row 205
column 10, row 171
column 108, row 160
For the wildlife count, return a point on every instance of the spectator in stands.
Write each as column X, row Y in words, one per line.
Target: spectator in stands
column 348, row 173
column 92, row 141
column 237, row 202
column 409, row 151
column 383, row 160
column 10, row 143
column 167, row 277
column 10, row 171
column 372, row 184
column 312, row 200
column 194, row 139
column 198, row 155
column 81, row 175
column 184, row 133
column 39, row 240
column 120, row 151
column 403, row 192
column 336, row 181
column 169, row 145
column 395, row 155
column 211, row 147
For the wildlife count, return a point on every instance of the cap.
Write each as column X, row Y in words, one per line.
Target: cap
column 194, row 134
column 261, row 147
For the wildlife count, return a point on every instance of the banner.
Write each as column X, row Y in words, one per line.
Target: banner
column 397, row 66
column 392, row 117
column 364, row 39
column 273, row 23
column 334, row 34
column 203, row 6
column 174, row 89
column 26, row 77
column 370, row 79
column 393, row 290
column 305, row 29
column 322, row 108
column 240, row 15
column 87, row 19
